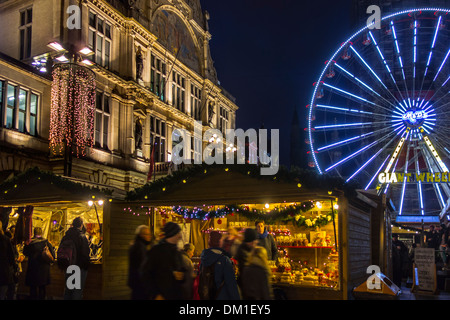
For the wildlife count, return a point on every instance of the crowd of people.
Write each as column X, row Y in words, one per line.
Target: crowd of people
column 234, row 266
column 40, row 254
column 231, row 268
column 437, row 238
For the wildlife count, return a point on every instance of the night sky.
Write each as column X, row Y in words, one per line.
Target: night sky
column 268, row 54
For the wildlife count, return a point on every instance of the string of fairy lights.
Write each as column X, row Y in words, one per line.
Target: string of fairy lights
column 72, row 109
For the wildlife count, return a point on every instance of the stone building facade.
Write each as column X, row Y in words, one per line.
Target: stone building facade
column 153, row 71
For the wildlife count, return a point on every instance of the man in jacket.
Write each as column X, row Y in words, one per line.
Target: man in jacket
column 266, row 240
column 76, row 234
column 224, row 274
column 162, row 271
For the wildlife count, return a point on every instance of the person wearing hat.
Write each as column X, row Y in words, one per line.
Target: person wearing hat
column 224, row 274
column 163, row 272
column 244, row 251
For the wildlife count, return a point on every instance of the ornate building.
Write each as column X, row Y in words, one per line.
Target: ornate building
column 153, row 74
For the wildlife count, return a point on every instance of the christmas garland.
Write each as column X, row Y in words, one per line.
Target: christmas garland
column 289, row 213
column 35, row 174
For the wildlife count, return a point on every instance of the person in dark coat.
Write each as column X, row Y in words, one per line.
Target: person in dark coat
column 162, row 271
column 76, row 233
column 244, row 251
column 266, row 240
column 257, row 277
column 136, row 256
column 396, row 265
column 38, row 271
column 224, row 274
column 8, row 263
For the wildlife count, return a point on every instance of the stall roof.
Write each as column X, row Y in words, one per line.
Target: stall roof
column 34, row 187
column 238, row 184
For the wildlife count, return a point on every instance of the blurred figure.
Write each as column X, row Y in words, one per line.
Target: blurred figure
column 76, row 236
column 433, row 240
column 266, row 240
column 188, row 265
column 136, row 256
column 7, row 263
column 12, row 289
column 257, row 277
column 163, row 271
column 38, row 271
column 231, row 242
column 225, row 285
column 244, row 251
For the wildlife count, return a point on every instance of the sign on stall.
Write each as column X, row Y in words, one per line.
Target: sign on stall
column 424, row 271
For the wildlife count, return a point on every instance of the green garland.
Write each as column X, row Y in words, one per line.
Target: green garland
column 35, row 174
column 291, row 213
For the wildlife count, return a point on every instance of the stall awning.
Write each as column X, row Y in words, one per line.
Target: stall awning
column 222, row 184
column 34, row 187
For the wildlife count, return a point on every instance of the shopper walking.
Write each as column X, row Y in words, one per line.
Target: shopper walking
column 257, row 277
column 244, row 251
column 266, row 240
column 190, row 274
column 76, row 240
column 38, row 270
column 136, row 257
column 163, row 272
column 224, row 285
column 7, row 263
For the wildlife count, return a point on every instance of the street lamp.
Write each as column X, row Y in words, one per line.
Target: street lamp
column 92, row 204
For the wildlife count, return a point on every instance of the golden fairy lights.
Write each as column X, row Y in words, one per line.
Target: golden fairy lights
column 72, row 109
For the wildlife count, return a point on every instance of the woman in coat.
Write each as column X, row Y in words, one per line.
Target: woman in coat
column 38, row 271
column 256, row 277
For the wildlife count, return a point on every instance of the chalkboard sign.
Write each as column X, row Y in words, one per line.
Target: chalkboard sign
column 424, row 270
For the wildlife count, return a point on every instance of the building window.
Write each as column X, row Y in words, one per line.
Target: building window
column 102, row 116
column 10, row 106
column 26, row 18
column 99, row 40
column 158, row 78
column 34, row 100
column 178, row 91
column 22, row 110
column 196, row 98
column 18, row 108
column 223, row 119
column 158, row 139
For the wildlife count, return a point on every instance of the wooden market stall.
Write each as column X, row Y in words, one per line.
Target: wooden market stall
column 52, row 202
column 328, row 232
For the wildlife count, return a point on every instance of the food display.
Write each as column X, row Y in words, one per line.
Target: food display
column 306, row 257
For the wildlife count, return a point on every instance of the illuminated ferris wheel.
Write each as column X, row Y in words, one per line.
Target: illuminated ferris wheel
column 382, row 105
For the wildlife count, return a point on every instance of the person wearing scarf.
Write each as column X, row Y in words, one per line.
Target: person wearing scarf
column 266, row 240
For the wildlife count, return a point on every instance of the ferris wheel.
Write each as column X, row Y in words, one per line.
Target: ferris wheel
column 382, row 105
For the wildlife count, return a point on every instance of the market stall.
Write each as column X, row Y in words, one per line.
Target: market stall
column 322, row 226
column 40, row 199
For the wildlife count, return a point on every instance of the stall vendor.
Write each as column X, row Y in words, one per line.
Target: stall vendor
column 266, row 240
